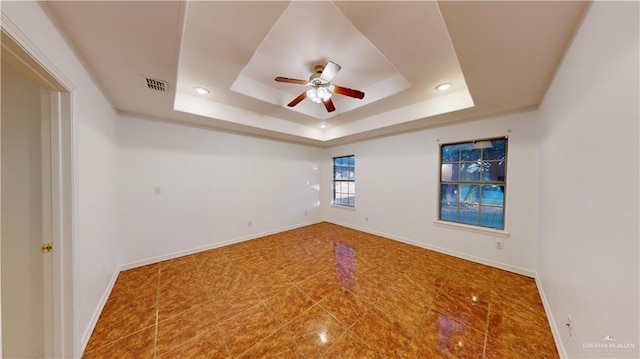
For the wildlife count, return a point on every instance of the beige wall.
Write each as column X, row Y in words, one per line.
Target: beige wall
column 22, row 306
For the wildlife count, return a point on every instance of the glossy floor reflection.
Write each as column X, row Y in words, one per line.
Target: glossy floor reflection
column 321, row 291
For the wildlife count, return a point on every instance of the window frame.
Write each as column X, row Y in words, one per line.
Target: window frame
column 334, row 181
column 479, row 183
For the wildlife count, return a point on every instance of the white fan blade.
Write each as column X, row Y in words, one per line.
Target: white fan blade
column 329, row 71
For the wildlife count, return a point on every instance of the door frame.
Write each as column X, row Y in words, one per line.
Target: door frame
column 60, row 341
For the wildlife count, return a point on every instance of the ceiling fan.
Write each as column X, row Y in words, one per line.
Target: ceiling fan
column 321, row 87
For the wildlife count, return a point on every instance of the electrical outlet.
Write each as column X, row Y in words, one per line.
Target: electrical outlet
column 366, row 219
column 499, row 245
column 250, row 224
column 306, row 213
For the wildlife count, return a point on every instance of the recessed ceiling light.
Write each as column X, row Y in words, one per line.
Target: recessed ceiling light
column 201, row 90
column 443, row 87
column 323, row 125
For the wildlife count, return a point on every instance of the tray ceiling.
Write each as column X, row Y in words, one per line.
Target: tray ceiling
column 498, row 56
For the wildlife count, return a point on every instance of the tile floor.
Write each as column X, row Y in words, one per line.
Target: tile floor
column 321, row 291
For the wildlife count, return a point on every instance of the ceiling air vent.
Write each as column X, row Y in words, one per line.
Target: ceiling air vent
column 156, row 85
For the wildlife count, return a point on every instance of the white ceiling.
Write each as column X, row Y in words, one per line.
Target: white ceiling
column 499, row 56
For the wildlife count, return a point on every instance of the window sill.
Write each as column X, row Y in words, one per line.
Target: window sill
column 348, row 208
column 475, row 229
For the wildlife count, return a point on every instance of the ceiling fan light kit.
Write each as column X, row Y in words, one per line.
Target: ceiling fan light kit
column 321, row 88
column 318, row 94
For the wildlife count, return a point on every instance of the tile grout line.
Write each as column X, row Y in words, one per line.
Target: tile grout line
column 349, row 328
column 315, row 248
column 155, row 339
column 126, row 335
column 300, row 314
column 486, row 329
column 261, row 302
column 118, row 340
column 370, row 306
column 282, row 325
column 415, row 333
column 272, row 334
column 423, row 318
column 210, row 298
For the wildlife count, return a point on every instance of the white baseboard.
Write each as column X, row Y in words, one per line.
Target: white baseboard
column 552, row 322
column 207, row 247
column 96, row 314
column 555, row 330
column 504, row 266
column 94, row 319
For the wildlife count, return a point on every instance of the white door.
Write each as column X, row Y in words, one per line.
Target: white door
column 39, row 92
column 26, row 216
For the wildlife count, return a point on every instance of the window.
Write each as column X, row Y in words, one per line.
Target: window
column 473, row 181
column 344, row 181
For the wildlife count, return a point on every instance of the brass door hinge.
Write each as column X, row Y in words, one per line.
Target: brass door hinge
column 47, row 247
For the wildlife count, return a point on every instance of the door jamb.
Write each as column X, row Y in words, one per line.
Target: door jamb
column 63, row 189
column 47, row 219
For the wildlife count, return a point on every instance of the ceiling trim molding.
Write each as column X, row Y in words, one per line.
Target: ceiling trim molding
column 30, row 56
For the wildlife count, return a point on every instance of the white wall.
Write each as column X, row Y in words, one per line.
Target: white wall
column 397, row 189
column 96, row 226
column 588, row 255
column 212, row 184
column 22, row 285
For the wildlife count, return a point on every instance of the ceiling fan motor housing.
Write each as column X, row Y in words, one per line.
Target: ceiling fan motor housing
column 318, row 72
column 321, row 87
